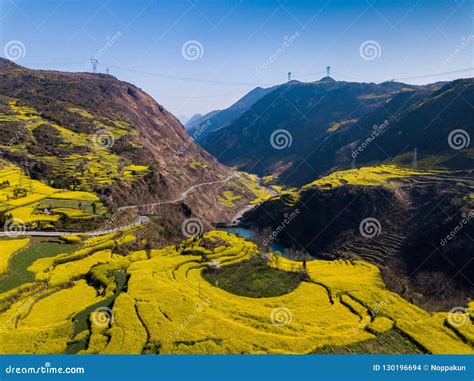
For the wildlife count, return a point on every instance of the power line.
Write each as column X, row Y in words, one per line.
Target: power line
column 190, row 79
column 57, row 63
column 337, row 74
column 202, row 96
column 433, row 75
column 309, row 74
column 346, row 76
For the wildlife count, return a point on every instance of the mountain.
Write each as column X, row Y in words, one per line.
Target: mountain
column 416, row 225
column 192, row 121
column 217, row 119
column 307, row 112
column 435, row 120
column 182, row 118
column 396, row 155
column 321, row 123
column 197, row 119
column 94, row 133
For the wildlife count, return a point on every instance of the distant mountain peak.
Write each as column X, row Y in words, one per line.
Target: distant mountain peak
column 327, row 79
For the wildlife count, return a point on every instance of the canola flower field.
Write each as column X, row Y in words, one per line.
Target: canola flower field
column 9, row 248
column 42, row 203
column 97, row 165
column 167, row 305
column 380, row 175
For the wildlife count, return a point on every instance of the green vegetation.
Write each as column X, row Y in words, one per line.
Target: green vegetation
column 253, row 278
column 381, row 175
column 389, row 342
column 251, row 183
column 196, row 164
column 228, row 199
column 336, row 125
column 81, row 320
column 18, row 273
column 9, row 248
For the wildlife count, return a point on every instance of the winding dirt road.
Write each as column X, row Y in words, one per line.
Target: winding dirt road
column 140, row 220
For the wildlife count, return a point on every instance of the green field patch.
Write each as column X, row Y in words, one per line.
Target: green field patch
column 390, row 342
column 254, row 279
column 19, row 263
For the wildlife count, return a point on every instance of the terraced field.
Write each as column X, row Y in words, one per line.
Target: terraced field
column 381, row 175
column 381, row 248
column 167, row 306
column 83, row 160
column 33, row 203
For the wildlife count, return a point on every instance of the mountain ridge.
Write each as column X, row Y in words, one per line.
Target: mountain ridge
column 147, row 156
column 324, row 120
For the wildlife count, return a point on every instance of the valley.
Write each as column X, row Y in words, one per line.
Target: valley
column 124, row 235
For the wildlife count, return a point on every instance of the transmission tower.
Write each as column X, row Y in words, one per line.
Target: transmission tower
column 94, row 62
column 415, row 158
column 328, row 70
column 24, row 165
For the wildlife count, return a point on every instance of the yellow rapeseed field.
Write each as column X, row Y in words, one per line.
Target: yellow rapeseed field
column 169, row 307
column 26, row 208
column 380, row 175
column 8, row 247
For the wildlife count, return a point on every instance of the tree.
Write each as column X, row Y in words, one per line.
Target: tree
column 148, row 249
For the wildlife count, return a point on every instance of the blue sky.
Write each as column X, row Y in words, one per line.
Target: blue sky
column 246, row 42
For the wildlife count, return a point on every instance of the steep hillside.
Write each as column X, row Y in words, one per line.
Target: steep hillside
column 302, row 114
column 435, row 120
column 301, row 131
column 92, row 132
column 397, row 218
